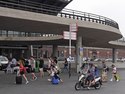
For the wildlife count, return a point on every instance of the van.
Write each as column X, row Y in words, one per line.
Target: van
column 3, row 62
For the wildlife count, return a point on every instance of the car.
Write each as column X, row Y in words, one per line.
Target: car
column 71, row 59
column 108, row 60
column 97, row 59
column 3, row 62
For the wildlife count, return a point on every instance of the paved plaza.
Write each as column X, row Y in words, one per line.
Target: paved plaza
column 42, row 86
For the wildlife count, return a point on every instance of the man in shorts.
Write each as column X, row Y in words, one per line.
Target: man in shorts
column 32, row 65
column 41, row 65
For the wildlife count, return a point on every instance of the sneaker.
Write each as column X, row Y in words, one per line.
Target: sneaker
column 117, row 80
column 61, row 80
column 88, row 88
column 27, row 82
column 49, row 80
column 35, row 78
column 111, row 80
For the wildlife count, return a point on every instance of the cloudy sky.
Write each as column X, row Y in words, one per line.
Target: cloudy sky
column 113, row 9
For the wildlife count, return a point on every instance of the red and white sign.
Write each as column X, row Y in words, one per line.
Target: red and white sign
column 66, row 35
column 73, row 27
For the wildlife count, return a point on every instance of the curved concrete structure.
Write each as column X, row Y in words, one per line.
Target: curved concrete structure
column 94, row 34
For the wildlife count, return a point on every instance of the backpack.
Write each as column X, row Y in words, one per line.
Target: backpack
column 107, row 68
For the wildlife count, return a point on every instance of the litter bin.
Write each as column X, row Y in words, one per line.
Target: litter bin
column 37, row 66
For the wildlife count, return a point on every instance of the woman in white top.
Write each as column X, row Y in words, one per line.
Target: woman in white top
column 114, row 73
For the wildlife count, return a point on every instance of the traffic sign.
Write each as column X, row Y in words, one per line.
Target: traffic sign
column 66, row 35
column 73, row 27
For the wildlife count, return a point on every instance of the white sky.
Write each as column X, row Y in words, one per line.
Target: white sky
column 113, row 9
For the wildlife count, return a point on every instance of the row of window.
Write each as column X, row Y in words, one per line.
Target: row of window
column 22, row 34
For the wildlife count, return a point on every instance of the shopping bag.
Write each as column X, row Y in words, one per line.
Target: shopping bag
column 117, row 76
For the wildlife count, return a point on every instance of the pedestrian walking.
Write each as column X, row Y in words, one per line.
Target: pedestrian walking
column 65, row 65
column 41, row 66
column 32, row 65
column 22, row 70
column 114, row 73
column 105, row 69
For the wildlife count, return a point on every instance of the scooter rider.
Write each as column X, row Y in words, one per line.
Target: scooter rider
column 90, row 80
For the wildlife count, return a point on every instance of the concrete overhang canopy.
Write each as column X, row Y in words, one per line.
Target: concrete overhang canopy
column 94, row 34
column 51, row 7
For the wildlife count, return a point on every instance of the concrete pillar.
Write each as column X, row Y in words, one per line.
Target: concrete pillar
column 30, row 50
column 79, row 52
column 114, row 55
column 54, row 50
column 37, row 51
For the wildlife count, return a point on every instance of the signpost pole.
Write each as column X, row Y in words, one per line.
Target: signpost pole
column 69, row 43
column 72, row 27
column 70, row 52
column 70, row 36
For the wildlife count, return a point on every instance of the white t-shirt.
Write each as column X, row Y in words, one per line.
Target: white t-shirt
column 114, row 70
column 32, row 62
column 14, row 61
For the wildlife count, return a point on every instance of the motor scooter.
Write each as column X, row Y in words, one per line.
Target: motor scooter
column 82, row 83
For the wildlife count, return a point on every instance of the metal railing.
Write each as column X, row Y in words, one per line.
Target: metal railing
column 72, row 14
column 121, row 40
column 57, row 11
